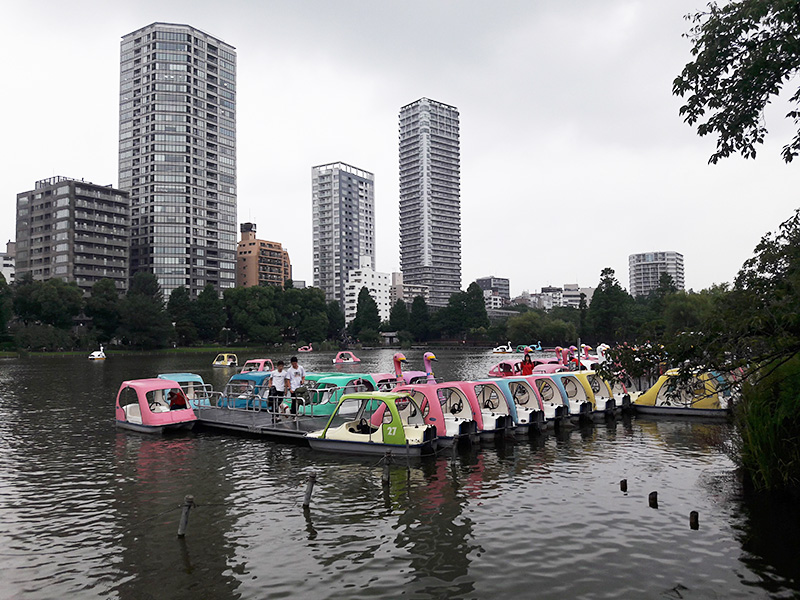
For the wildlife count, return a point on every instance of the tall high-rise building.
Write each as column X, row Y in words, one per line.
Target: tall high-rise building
column 74, row 230
column 645, row 270
column 177, row 154
column 343, row 213
column 430, row 204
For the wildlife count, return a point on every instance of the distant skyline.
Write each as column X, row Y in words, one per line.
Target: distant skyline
column 573, row 155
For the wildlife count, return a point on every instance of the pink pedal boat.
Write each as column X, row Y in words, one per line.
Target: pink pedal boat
column 345, row 357
column 153, row 406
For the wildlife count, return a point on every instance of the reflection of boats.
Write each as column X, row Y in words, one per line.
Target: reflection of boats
column 375, row 423
column 308, row 348
column 98, row 355
column 445, row 409
column 507, row 349
column 225, row 360
column 345, row 357
column 153, row 406
column 196, row 390
column 257, row 364
column 699, row 396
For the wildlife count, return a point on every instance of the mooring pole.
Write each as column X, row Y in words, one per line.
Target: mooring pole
column 386, row 477
column 694, row 520
column 652, row 499
column 188, row 503
column 312, row 479
column 623, row 485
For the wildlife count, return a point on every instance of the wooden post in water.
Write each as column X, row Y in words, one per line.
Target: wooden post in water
column 312, row 479
column 623, row 485
column 694, row 520
column 652, row 499
column 387, row 477
column 188, row 503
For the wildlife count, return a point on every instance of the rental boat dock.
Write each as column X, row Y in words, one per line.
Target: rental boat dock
column 260, row 422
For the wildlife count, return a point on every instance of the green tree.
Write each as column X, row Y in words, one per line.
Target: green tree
column 744, row 52
column 252, row 313
column 103, row 306
column 6, row 305
column 208, row 314
column 398, row 316
column 526, row 328
column 26, row 307
column 59, row 302
column 420, row 319
column 367, row 315
column 608, row 313
column 335, row 320
column 179, row 309
column 143, row 320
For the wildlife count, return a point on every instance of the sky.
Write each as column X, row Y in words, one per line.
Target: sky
column 573, row 154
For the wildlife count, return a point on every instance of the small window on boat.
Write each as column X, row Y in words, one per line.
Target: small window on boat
column 388, row 417
column 570, row 387
column 349, row 407
column 521, row 393
column 546, row 390
column 128, row 396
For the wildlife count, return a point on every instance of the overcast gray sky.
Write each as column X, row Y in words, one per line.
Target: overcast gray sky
column 573, row 155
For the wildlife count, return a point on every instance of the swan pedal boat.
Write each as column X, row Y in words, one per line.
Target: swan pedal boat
column 699, row 397
column 98, row 355
column 143, row 405
column 447, row 408
column 376, row 423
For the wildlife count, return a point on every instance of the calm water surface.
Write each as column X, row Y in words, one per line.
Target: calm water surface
column 88, row 511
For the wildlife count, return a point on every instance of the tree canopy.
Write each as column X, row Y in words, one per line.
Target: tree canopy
column 744, row 51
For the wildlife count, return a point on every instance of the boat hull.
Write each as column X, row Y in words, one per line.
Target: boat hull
column 679, row 411
column 353, row 447
column 156, row 429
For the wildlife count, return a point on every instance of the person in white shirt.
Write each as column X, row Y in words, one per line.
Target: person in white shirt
column 278, row 381
column 297, row 378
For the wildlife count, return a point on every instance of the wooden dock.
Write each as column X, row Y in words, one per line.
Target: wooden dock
column 260, row 422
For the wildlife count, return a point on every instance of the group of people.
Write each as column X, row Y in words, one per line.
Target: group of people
column 291, row 380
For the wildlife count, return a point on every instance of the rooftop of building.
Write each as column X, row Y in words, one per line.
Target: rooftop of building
column 180, row 26
column 425, row 100
column 345, row 167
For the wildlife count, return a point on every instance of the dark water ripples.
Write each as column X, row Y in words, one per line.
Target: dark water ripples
column 88, row 511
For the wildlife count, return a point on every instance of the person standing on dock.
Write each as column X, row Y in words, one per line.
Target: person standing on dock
column 297, row 379
column 277, row 384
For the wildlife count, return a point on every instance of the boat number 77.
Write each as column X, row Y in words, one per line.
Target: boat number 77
column 391, row 430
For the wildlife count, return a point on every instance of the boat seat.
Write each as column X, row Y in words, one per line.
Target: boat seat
column 133, row 414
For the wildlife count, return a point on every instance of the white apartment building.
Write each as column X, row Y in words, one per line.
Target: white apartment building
column 343, row 215
column 645, row 271
column 7, row 262
column 378, row 284
column 177, row 154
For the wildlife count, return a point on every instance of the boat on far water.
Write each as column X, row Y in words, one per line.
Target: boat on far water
column 225, row 359
column 345, row 357
column 98, row 355
column 308, row 348
column 257, row 364
column 507, row 349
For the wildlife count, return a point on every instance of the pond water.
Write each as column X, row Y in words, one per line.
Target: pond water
column 89, row 511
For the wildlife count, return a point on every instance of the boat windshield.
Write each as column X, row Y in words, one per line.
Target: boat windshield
column 523, row 394
column 410, row 413
column 490, row 398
